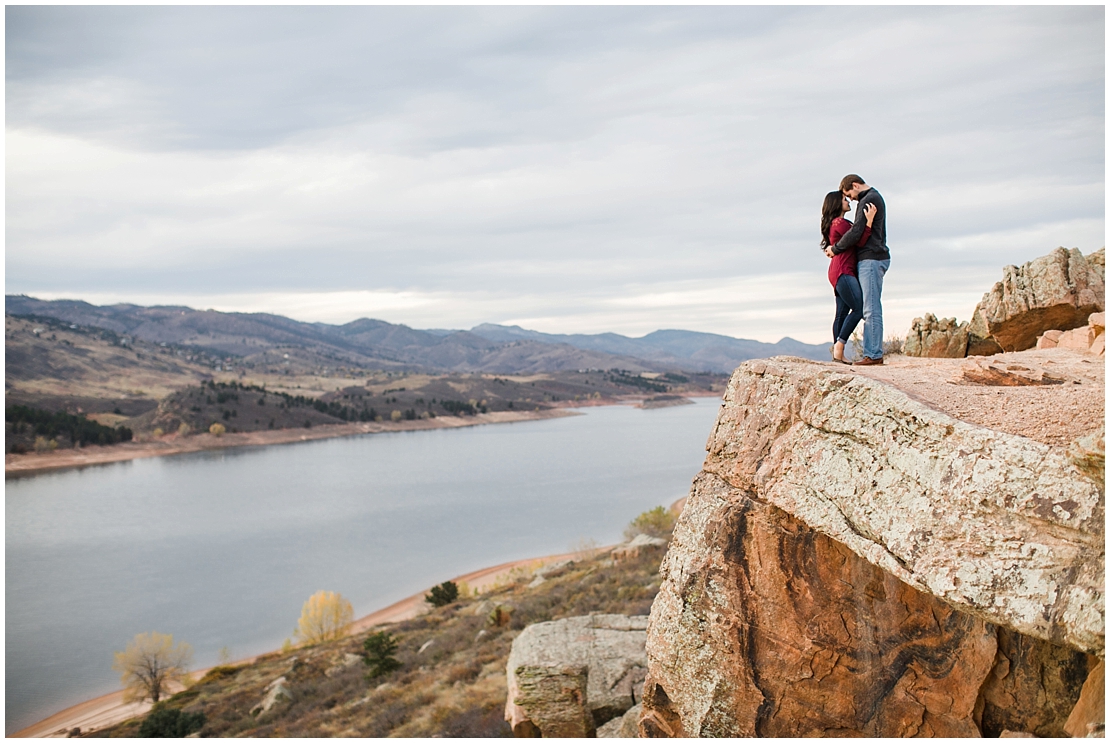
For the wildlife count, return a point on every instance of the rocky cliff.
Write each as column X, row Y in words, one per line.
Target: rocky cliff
column 857, row 558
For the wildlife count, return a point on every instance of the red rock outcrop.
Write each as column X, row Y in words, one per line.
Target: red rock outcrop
column 852, row 562
column 936, row 339
column 1054, row 292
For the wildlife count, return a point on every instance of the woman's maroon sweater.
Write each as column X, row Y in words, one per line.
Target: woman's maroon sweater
column 843, row 263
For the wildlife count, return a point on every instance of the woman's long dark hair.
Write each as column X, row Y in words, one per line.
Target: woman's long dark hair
column 830, row 210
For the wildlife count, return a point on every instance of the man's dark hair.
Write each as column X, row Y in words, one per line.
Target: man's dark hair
column 849, row 180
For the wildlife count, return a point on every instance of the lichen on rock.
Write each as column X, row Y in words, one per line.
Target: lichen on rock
column 852, row 562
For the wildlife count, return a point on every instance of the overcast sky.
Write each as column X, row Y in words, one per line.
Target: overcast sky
column 567, row 169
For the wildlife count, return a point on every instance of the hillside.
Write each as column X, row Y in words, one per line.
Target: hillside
column 451, row 682
column 274, row 344
column 114, row 378
column 59, row 365
column 682, row 349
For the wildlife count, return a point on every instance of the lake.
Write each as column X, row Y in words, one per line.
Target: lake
column 222, row 548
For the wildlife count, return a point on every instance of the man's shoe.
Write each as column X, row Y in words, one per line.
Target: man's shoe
column 865, row 361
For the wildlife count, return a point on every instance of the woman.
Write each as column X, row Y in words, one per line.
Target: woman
column 842, row 269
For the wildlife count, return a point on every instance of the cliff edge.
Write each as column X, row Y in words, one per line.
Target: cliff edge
column 896, row 551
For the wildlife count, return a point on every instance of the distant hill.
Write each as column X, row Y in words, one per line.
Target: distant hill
column 682, row 348
column 271, row 341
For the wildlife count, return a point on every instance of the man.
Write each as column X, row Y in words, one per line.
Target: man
column 872, row 262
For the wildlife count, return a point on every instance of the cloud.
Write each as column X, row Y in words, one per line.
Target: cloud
column 544, row 164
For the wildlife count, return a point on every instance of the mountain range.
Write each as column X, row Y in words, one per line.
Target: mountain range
column 270, row 340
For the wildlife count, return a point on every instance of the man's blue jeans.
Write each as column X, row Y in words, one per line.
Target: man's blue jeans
column 871, row 275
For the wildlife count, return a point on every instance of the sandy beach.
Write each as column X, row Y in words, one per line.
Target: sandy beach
column 110, row 709
column 22, row 465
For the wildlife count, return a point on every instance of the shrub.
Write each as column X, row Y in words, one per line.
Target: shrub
column 395, row 416
column 325, row 616
column 217, row 429
column 163, row 722
column 42, row 445
column 378, row 650
column 184, row 429
column 158, row 433
column 892, row 346
column 219, row 673
column 658, row 522
column 443, row 594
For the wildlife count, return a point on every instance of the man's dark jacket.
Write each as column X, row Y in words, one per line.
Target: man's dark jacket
column 875, row 248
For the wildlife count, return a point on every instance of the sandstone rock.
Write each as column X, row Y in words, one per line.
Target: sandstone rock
column 610, row 647
column 611, row 729
column 1088, row 455
column 1097, row 261
column 552, row 567
column 1033, row 686
column 276, row 691
column 554, row 697
column 765, row 627
column 852, row 562
column 1090, row 711
column 1004, row 374
column 625, row 726
column 933, row 338
column 1049, row 339
column 1079, row 339
column 638, row 543
column 1055, row 292
column 349, row 659
column 998, row 525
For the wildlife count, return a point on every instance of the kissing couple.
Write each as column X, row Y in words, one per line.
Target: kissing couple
column 860, row 259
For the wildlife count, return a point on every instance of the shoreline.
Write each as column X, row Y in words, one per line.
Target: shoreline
column 110, row 709
column 27, row 465
column 32, row 463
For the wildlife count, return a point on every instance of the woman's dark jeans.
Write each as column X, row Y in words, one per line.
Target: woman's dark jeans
column 849, row 307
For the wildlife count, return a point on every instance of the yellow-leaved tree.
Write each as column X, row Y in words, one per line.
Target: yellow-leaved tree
column 150, row 662
column 325, row 616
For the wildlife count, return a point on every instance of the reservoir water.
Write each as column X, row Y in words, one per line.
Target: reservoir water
column 222, row 548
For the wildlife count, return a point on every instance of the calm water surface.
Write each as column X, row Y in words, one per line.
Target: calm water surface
column 222, row 548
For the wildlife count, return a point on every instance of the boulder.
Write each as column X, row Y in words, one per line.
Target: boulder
column 1089, row 715
column 569, row 676
column 625, row 726
column 1054, row 292
column 998, row 525
column 851, row 562
column 933, row 338
column 554, row 698
column 349, row 660
column 635, row 545
column 1049, row 339
column 276, row 691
